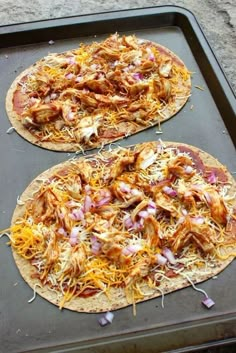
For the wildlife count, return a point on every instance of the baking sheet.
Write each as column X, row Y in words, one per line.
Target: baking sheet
column 207, row 121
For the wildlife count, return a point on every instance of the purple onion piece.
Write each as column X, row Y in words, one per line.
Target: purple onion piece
column 74, row 232
column 169, row 255
column 87, row 203
column 103, row 321
column 109, row 317
column 212, row 179
column 103, row 201
column 152, row 204
column 78, row 214
column 197, row 220
column 208, row 302
column 143, row 214
column 169, row 191
column 106, row 319
column 188, row 169
column 161, row 260
column 128, row 223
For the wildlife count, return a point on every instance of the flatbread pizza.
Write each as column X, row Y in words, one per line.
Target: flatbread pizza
column 102, row 232
column 97, row 93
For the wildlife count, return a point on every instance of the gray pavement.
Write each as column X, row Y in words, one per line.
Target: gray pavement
column 217, row 18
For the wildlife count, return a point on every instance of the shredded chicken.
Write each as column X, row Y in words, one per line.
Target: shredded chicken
column 120, row 79
column 106, row 221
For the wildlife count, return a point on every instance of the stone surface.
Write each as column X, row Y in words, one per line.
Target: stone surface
column 217, row 18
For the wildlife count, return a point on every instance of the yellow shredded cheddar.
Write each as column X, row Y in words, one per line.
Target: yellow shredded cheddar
column 101, row 92
column 106, row 221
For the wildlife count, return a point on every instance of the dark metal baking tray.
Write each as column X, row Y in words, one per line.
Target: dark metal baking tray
column 207, row 121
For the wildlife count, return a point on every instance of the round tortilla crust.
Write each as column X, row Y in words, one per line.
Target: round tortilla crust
column 127, row 127
column 117, row 300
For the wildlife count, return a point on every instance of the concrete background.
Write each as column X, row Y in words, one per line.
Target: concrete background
column 217, row 18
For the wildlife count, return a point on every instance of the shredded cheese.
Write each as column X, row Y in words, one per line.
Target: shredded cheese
column 121, row 83
column 100, row 222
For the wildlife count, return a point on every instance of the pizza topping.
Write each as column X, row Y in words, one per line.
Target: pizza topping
column 165, row 68
column 120, row 79
column 112, row 221
column 161, row 260
column 167, row 253
column 106, row 319
column 215, row 175
column 44, row 113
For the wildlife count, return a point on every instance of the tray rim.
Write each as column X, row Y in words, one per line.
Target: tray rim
column 18, row 28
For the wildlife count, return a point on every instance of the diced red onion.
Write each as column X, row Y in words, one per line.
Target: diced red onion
column 141, row 221
column 71, row 60
column 93, row 66
column 143, row 214
column 124, row 187
column 62, row 231
column 212, row 179
column 78, row 79
column 188, row 169
column 151, row 210
column 138, row 225
column 107, row 194
column 103, row 201
column 102, row 193
column 72, row 216
column 169, row 255
column 208, row 197
column 128, row 222
column 208, row 302
column 135, row 192
column 152, row 204
column 61, row 215
column 197, row 220
column 71, row 203
column 137, row 62
column 169, row 191
column 161, row 260
column 137, row 76
column 188, row 193
column 103, row 321
column 109, row 317
column 180, row 220
column 33, row 100
column 47, row 99
column 151, row 57
column 131, row 249
column 197, row 187
column 87, row 188
column 70, row 116
column 95, row 245
column 87, row 203
column 78, row 214
column 74, row 232
column 53, row 96
column 73, row 241
column 69, row 76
